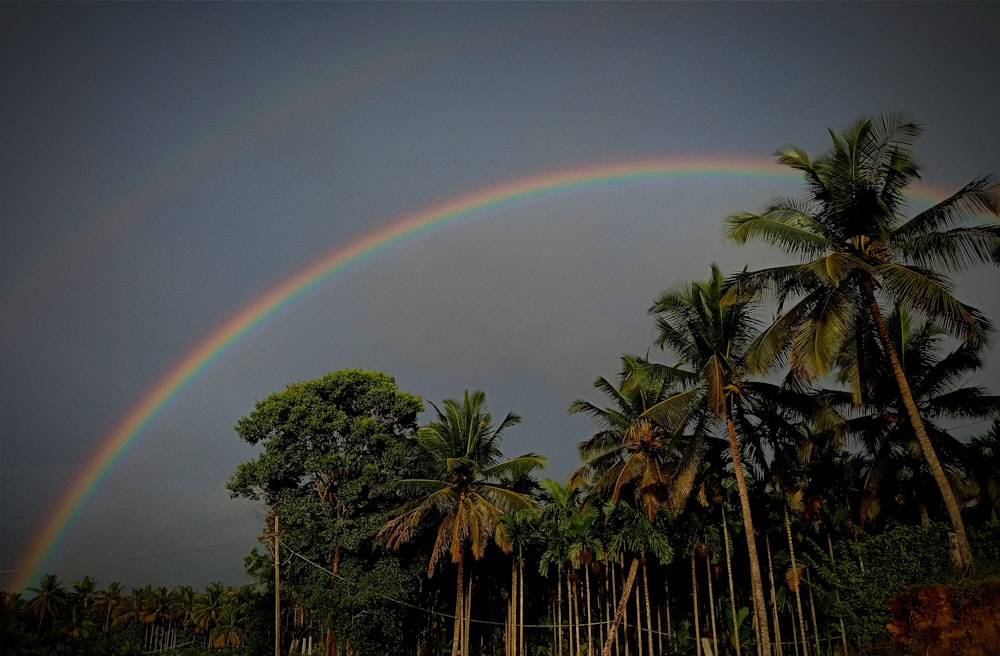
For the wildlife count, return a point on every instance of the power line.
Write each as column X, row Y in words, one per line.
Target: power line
column 420, row 608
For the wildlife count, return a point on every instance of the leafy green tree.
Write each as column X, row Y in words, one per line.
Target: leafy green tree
column 330, row 447
column 469, row 489
column 854, row 249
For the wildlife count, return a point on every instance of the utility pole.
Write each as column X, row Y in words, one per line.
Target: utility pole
column 277, row 591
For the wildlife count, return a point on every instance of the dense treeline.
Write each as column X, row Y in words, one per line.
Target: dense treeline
column 762, row 488
column 87, row 618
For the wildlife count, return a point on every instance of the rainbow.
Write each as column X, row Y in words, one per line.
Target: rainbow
column 61, row 519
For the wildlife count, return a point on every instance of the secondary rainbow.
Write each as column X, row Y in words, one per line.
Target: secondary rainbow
column 61, row 519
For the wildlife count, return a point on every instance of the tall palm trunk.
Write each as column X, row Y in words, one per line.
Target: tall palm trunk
column 812, row 613
column 510, row 635
column 638, row 625
column 466, row 639
column 711, row 602
column 779, row 649
column 649, row 615
column 694, row 604
column 575, row 607
column 843, row 631
column 756, row 585
column 729, row 572
column 456, row 642
column 797, row 589
column 620, row 611
column 520, row 611
column 590, row 636
column 666, row 603
column 930, row 455
column 559, row 603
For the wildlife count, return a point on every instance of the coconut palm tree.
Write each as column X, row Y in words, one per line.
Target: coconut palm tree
column 50, row 600
column 711, row 338
column 937, row 381
column 108, row 601
column 230, row 630
column 640, row 451
column 640, row 448
column 634, row 532
column 984, row 459
column 854, row 248
column 522, row 533
column 470, row 487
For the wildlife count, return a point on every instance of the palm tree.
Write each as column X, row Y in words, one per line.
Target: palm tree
column 585, row 550
column 50, row 600
column 230, row 630
column 854, row 248
column 711, row 338
column 634, row 532
column 639, row 448
column 560, row 504
column 522, row 532
column 85, row 592
column 108, row 602
column 208, row 607
column 984, row 458
column 937, row 381
column 469, row 489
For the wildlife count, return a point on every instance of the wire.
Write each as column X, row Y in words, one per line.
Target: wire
column 419, row 608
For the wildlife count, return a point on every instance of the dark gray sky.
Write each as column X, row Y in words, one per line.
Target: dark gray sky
column 163, row 165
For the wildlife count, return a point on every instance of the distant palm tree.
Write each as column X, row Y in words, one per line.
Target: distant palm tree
column 230, row 629
column 85, row 592
column 75, row 624
column 984, row 459
column 937, row 382
column 469, row 490
column 50, row 600
column 854, row 248
column 107, row 603
column 208, row 607
column 640, row 448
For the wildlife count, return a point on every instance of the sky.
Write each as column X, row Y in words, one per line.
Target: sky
column 166, row 166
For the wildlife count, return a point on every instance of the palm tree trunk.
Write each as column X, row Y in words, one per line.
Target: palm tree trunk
column 779, row 650
column 520, row 610
column 574, row 610
column 510, row 635
column 930, row 455
column 756, row 585
column 798, row 584
column 711, row 602
column 729, row 571
column 843, row 631
column 590, row 635
column 666, row 603
column 459, row 606
column 466, row 637
column 620, row 611
column 694, row 604
column 812, row 613
column 649, row 615
column 559, row 640
column 638, row 625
